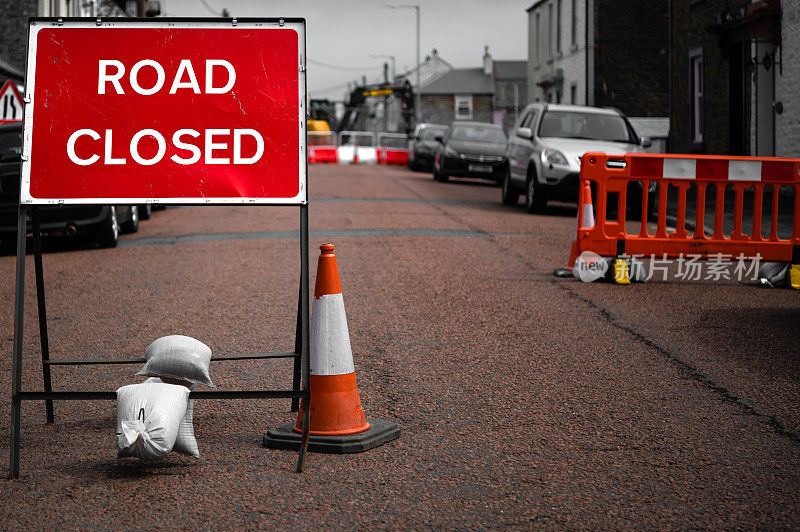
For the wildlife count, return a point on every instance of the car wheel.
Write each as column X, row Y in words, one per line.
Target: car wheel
column 145, row 211
column 131, row 225
column 509, row 195
column 108, row 233
column 535, row 199
column 443, row 177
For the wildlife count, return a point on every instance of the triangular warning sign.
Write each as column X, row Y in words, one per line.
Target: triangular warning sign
column 10, row 103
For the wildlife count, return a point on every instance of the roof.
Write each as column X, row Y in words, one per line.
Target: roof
column 654, row 127
column 536, row 3
column 510, row 69
column 582, row 109
column 461, row 81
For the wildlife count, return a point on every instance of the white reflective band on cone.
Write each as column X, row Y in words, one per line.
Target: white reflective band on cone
column 330, row 342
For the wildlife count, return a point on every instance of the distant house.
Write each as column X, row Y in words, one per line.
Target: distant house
column 491, row 93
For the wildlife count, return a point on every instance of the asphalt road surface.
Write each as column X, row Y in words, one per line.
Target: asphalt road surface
column 524, row 400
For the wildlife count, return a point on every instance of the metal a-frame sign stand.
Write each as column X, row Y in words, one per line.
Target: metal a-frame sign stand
column 300, row 355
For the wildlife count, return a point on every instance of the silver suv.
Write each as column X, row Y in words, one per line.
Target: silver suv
column 545, row 149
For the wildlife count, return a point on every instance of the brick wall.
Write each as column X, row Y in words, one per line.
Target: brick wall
column 693, row 23
column 14, row 30
column 440, row 108
column 631, row 56
column 787, row 125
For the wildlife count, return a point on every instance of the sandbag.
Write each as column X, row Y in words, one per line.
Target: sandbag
column 185, row 443
column 773, row 274
column 178, row 357
column 148, row 418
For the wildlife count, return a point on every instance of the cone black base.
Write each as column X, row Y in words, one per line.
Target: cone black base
column 380, row 432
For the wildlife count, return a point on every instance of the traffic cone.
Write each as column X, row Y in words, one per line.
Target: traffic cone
column 355, row 155
column 338, row 424
column 588, row 223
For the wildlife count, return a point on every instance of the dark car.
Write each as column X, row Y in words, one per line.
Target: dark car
column 102, row 223
column 471, row 149
column 423, row 146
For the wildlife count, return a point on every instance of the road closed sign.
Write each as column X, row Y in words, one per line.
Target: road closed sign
column 165, row 110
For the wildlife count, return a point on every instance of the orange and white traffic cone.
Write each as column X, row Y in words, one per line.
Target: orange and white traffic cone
column 355, row 155
column 338, row 424
column 588, row 223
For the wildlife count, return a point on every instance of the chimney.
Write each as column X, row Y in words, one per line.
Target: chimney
column 488, row 64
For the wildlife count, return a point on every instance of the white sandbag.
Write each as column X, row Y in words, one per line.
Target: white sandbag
column 178, row 357
column 185, row 443
column 148, row 418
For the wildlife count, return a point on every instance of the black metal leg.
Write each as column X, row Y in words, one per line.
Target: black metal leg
column 43, row 336
column 298, row 348
column 16, row 372
column 304, row 315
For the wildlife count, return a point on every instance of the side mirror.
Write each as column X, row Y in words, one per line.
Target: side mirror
column 438, row 137
column 646, row 142
column 525, row 133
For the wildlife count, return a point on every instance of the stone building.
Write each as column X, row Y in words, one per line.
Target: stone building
column 734, row 77
column 493, row 93
column 601, row 53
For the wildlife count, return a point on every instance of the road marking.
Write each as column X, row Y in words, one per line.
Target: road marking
column 272, row 235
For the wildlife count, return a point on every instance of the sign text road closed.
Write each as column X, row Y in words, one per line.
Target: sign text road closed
column 170, row 111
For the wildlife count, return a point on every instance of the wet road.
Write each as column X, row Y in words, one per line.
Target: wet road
column 524, row 400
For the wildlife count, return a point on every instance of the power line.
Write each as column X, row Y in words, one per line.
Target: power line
column 344, row 68
column 211, row 9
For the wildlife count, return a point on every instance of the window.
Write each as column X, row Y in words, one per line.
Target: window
column 574, row 23
column 463, row 107
column 538, row 40
column 573, row 93
column 526, row 121
column 550, row 30
column 558, row 26
column 605, row 126
column 696, row 95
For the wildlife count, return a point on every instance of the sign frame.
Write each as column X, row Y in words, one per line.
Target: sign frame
column 30, row 210
column 232, row 24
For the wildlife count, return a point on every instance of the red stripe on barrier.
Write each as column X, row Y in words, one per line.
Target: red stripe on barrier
column 712, row 169
column 646, row 166
column 778, row 171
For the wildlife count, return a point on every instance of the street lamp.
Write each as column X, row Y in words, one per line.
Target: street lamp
column 417, row 104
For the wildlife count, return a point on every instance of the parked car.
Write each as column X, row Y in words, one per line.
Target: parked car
column 423, row 146
column 471, row 149
column 103, row 223
column 545, row 150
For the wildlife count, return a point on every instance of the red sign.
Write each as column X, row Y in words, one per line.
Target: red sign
column 174, row 112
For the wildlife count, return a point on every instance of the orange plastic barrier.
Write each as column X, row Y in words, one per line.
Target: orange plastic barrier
column 611, row 175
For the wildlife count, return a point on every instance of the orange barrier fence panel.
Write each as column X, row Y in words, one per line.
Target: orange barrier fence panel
column 677, row 183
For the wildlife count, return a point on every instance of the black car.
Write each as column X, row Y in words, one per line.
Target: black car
column 471, row 149
column 423, row 146
column 102, row 223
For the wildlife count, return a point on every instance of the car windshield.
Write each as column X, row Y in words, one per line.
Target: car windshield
column 10, row 145
column 478, row 134
column 430, row 133
column 578, row 125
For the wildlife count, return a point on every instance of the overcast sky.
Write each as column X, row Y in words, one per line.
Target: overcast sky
column 344, row 33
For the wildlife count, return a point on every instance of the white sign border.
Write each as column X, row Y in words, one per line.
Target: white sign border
column 298, row 25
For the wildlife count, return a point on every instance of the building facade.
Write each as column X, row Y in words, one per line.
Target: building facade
column 600, row 52
column 733, row 78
